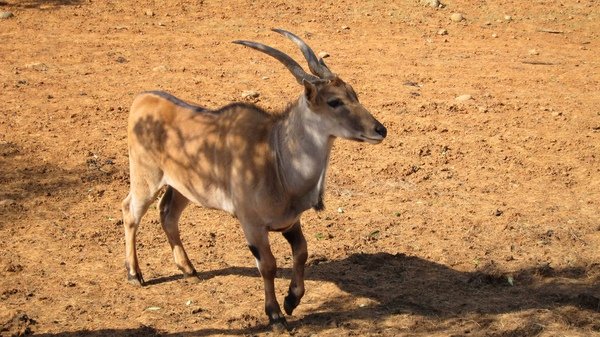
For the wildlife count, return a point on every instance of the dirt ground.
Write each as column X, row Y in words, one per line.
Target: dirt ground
column 477, row 217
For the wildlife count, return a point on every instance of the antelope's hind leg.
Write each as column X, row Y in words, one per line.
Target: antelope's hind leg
column 145, row 183
column 135, row 206
column 171, row 206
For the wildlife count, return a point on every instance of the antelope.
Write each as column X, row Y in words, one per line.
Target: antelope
column 264, row 169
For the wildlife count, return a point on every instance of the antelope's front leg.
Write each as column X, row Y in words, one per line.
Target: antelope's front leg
column 258, row 242
column 300, row 253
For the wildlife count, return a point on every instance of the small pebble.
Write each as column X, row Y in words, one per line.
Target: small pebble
column 323, row 54
column 250, row 94
column 340, row 210
column 431, row 3
column 149, row 12
column 457, row 17
column 494, row 35
column 345, row 27
column 160, row 68
column 39, row 66
column 533, row 52
column 463, row 98
column 507, row 18
column 6, row 15
column 442, row 32
column 7, row 202
column 152, row 308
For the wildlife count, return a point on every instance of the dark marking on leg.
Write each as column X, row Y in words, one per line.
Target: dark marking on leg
column 254, row 251
column 136, row 279
column 290, row 236
column 296, row 290
column 319, row 206
column 165, row 201
column 290, row 302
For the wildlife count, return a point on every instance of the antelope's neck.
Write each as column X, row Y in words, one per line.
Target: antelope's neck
column 302, row 149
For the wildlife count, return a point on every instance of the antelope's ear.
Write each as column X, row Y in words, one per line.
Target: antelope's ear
column 310, row 90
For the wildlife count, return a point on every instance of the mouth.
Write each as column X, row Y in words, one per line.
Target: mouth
column 369, row 140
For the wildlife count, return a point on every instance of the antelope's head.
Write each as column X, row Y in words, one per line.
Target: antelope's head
column 332, row 101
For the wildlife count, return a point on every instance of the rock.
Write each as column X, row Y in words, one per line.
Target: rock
column 323, row 54
column 442, row 32
column 15, row 323
column 533, row 52
column 345, row 27
column 507, row 18
column 153, row 308
column 160, row 68
column 7, row 202
column 250, row 94
column 494, row 35
column 6, row 15
column 457, row 17
column 463, row 98
column 39, row 66
column 149, row 12
column 197, row 310
column 432, row 3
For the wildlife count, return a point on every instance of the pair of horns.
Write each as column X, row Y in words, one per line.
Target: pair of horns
column 316, row 65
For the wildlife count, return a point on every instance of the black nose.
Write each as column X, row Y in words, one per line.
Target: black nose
column 380, row 129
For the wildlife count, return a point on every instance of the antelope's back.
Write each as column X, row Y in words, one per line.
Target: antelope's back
column 201, row 152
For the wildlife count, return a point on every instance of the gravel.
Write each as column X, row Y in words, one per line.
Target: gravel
column 6, row 15
column 457, row 17
column 463, row 98
column 250, row 94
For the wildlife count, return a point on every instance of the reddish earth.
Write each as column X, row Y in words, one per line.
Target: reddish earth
column 473, row 218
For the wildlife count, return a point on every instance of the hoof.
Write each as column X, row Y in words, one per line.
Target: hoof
column 136, row 280
column 192, row 277
column 290, row 303
column 279, row 324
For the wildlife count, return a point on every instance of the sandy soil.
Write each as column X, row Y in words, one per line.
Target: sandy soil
column 473, row 218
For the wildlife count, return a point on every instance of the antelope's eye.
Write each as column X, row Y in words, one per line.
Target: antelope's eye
column 335, row 102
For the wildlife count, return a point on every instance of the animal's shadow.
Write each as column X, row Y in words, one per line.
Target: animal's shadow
column 397, row 284
column 38, row 3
